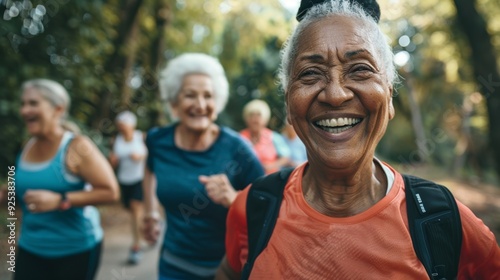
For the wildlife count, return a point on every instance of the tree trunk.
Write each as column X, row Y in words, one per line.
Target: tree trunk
column 464, row 140
column 118, row 60
column 130, row 58
column 163, row 18
column 417, row 123
column 484, row 65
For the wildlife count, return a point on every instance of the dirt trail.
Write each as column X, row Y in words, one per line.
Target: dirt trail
column 482, row 198
column 117, row 241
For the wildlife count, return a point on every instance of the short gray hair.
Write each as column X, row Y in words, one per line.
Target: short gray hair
column 257, row 106
column 127, row 117
column 172, row 76
column 341, row 8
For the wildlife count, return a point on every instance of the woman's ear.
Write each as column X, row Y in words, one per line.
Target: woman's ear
column 287, row 108
column 60, row 110
column 392, row 112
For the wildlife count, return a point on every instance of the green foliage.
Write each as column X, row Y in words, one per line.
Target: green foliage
column 440, row 75
column 258, row 81
column 72, row 42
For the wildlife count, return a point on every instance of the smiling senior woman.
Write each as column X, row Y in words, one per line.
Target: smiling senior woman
column 198, row 166
column 61, row 236
column 343, row 213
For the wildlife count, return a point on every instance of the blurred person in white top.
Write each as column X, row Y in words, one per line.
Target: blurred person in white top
column 128, row 158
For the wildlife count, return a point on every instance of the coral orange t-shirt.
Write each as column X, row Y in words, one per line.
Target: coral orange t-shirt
column 374, row 244
column 264, row 148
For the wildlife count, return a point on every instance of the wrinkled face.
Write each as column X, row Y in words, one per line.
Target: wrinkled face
column 255, row 121
column 38, row 113
column 195, row 104
column 338, row 98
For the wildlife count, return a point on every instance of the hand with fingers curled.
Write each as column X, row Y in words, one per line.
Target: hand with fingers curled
column 219, row 189
column 39, row 201
column 152, row 227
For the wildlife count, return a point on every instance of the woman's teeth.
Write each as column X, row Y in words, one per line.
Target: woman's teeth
column 337, row 125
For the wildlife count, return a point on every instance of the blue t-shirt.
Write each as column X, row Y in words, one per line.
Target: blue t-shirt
column 298, row 153
column 55, row 233
column 281, row 146
column 194, row 239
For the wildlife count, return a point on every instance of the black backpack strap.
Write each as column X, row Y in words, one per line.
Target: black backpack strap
column 435, row 227
column 263, row 206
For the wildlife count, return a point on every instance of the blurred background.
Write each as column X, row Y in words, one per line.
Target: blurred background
column 108, row 55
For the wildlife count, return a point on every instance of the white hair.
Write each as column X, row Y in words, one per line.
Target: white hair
column 127, row 117
column 257, row 106
column 340, row 8
column 171, row 78
column 57, row 95
column 52, row 91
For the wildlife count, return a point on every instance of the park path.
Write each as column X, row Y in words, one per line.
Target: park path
column 117, row 241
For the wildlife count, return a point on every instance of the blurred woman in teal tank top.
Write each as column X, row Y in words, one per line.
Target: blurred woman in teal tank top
column 60, row 235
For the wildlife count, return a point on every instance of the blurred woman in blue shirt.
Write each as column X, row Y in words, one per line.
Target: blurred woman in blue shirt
column 194, row 168
column 298, row 153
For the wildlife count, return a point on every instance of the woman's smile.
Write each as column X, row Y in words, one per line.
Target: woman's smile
column 337, row 125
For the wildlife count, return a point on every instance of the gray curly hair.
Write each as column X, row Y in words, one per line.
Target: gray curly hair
column 172, row 76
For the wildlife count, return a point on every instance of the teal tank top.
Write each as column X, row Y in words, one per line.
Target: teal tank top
column 55, row 233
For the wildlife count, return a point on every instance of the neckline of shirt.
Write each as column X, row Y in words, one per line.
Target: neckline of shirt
column 295, row 184
column 42, row 164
